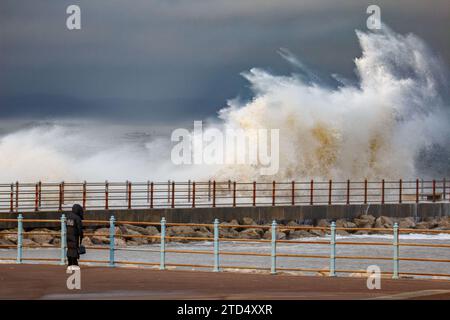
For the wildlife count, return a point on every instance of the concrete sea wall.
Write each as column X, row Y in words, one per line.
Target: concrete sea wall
column 301, row 214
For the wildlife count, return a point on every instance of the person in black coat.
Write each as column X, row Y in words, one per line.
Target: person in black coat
column 74, row 234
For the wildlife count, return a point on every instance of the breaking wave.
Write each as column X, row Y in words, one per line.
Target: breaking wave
column 394, row 122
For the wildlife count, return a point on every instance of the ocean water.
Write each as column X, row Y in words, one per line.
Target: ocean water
column 151, row 254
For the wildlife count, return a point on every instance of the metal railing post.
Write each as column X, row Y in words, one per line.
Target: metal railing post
column 209, row 191
column 11, row 199
column 348, row 191
column 214, row 194
column 189, row 191
column 311, row 193
column 273, row 193
column 63, row 239
column 162, row 264
column 106, row 195
column 273, row 255
column 17, row 195
column 84, row 195
column 254, row 193
column 40, row 193
column 111, row 241
column 417, row 190
column 36, row 198
column 19, row 238
column 443, row 188
column 172, row 205
column 168, row 191
column 293, row 193
column 129, row 195
column 193, row 194
column 151, row 194
column 434, row 190
column 396, row 252
column 333, row 250
column 330, row 188
column 365, row 191
column 234, row 193
column 216, row 245
column 60, row 197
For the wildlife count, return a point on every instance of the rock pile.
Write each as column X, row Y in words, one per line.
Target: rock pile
column 131, row 235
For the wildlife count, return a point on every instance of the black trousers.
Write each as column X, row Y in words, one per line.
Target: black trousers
column 72, row 261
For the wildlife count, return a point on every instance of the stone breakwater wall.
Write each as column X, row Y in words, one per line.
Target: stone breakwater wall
column 100, row 236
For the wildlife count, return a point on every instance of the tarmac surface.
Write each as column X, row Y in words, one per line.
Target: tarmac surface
column 49, row 282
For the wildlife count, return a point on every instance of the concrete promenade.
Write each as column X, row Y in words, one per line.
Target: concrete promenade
column 49, row 282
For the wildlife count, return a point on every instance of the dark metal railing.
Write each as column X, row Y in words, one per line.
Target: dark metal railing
column 38, row 196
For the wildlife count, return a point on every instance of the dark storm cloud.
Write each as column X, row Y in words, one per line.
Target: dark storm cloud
column 165, row 60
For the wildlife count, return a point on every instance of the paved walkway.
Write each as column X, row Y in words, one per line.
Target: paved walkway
column 49, row 282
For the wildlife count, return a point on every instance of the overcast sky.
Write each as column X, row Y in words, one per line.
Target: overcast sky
column 161, row 61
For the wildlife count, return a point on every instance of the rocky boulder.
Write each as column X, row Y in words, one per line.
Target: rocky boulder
column 180, row 231
column 6, row 242
column 280, row 235
column 343, row 223
column 407, row 223
column 229, row 233
column 443, row 223
column 342, row 233
column 136, row 236
column 101, row 235
column 151, row 231
column 246, row 221
column 364, row 221
column 56, row 241
column 252, row 233
column 296, row 234
column 29, row 242
column 41, row 236
column 99, row 240
column 384, row 222
column 425, row 225
column 119, row 242
column 323, row 223
column 203, row 232
column 316, row 232
column 148, row 230
column 9, row 237
column 86, row 242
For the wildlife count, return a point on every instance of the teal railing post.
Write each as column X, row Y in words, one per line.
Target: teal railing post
column 63, row 240
column 216, row 245
column 112, row 232
column 333, row 250
column 162, row 264
column 273, row 255
column 396, row 252
column 19, row 238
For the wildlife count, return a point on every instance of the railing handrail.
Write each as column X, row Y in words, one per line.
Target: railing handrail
column 109, row 195
column 274, row 227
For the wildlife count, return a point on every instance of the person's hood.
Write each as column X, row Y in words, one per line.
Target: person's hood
column 78, row 210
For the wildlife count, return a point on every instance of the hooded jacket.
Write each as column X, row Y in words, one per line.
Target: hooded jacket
column 74, row 227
